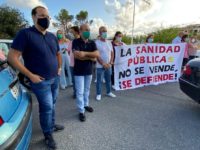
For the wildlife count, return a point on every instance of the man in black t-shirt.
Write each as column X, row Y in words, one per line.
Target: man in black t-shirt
column 85, row 52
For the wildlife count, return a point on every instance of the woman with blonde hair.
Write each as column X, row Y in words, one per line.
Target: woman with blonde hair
column 65, row 77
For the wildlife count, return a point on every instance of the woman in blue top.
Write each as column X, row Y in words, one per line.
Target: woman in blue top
column 65, row 78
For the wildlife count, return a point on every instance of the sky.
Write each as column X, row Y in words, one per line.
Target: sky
column 117, row 15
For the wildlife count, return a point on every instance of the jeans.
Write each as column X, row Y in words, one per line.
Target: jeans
column 112, row 76
column 65, row 77
column 82, row 84
column 46, row 93
column 73, row 82
column 107, row 76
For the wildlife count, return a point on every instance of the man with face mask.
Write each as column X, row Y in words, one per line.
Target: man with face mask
column 85, row 52
column 104, row 63
column 42, row 65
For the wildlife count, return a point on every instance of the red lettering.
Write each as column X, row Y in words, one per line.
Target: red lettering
column 129, row 62
column 169, row 49
column 137, row 50
column 177, row 49
column 143, row 49
column 126, row 84
column 162, row 49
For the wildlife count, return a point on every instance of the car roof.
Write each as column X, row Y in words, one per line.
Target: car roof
column 6, row 41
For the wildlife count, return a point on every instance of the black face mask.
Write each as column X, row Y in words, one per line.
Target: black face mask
column 43, row 22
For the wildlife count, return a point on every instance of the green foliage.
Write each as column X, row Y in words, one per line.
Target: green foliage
column 11, row 21
column 126, row 39
column 64, row 19
column 166, row 35
column 82, row 17
column 160, row 36
column 136, row 40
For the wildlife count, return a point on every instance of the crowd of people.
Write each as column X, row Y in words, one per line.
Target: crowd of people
column 55, row 62
column 191, row 46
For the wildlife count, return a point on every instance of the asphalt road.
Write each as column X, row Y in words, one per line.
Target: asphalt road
column 150, row 118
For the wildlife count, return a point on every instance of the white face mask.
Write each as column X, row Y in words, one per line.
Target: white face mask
column 119, row 39
column 193, row 40
column 71, row 35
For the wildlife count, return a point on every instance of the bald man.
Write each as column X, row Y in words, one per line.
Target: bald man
column 85, row 52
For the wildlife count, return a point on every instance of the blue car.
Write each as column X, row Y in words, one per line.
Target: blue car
column 15, row 111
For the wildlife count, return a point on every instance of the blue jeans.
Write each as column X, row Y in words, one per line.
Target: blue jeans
column 82, row 84
column 107, row 76
column 73, row 82
column 46, row 93
column 65, row 77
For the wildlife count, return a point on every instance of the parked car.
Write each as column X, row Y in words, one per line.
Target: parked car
column 15, row 111
column 198, row 53
column 7, row 42
column 190, row 79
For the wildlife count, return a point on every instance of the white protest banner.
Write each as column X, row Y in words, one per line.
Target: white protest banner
column 147, row 64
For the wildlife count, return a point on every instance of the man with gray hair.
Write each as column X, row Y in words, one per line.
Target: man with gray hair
column 104, row 63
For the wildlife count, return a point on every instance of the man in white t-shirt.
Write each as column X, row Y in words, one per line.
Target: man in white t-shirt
column 104, row 63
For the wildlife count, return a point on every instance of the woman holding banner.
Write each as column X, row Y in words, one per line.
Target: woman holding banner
column 117, row 41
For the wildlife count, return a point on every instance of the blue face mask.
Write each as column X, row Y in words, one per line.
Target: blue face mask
column 150, row 40
column 104, row 35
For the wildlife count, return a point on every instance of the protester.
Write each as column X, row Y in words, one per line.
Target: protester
column 104, row 63
column 149, row 38
column 85, row 52
column 185, row 39
column 75, row 34
column 42, row 65
column 117, row 41
column 178, row 38
column 103, row 79
column 192, row 48
column 65, row 77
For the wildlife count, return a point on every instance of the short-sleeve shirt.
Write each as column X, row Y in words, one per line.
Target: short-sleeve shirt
column 83, row 67
column 105, row 49
column 39, row 51
column 176, row 40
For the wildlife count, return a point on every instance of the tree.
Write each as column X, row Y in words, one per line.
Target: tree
column 166, row 35
column 11, row 21
column 64, row 20
column 82, row 17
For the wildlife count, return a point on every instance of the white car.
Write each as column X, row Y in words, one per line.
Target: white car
column 7, row 42
column 198, row 53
